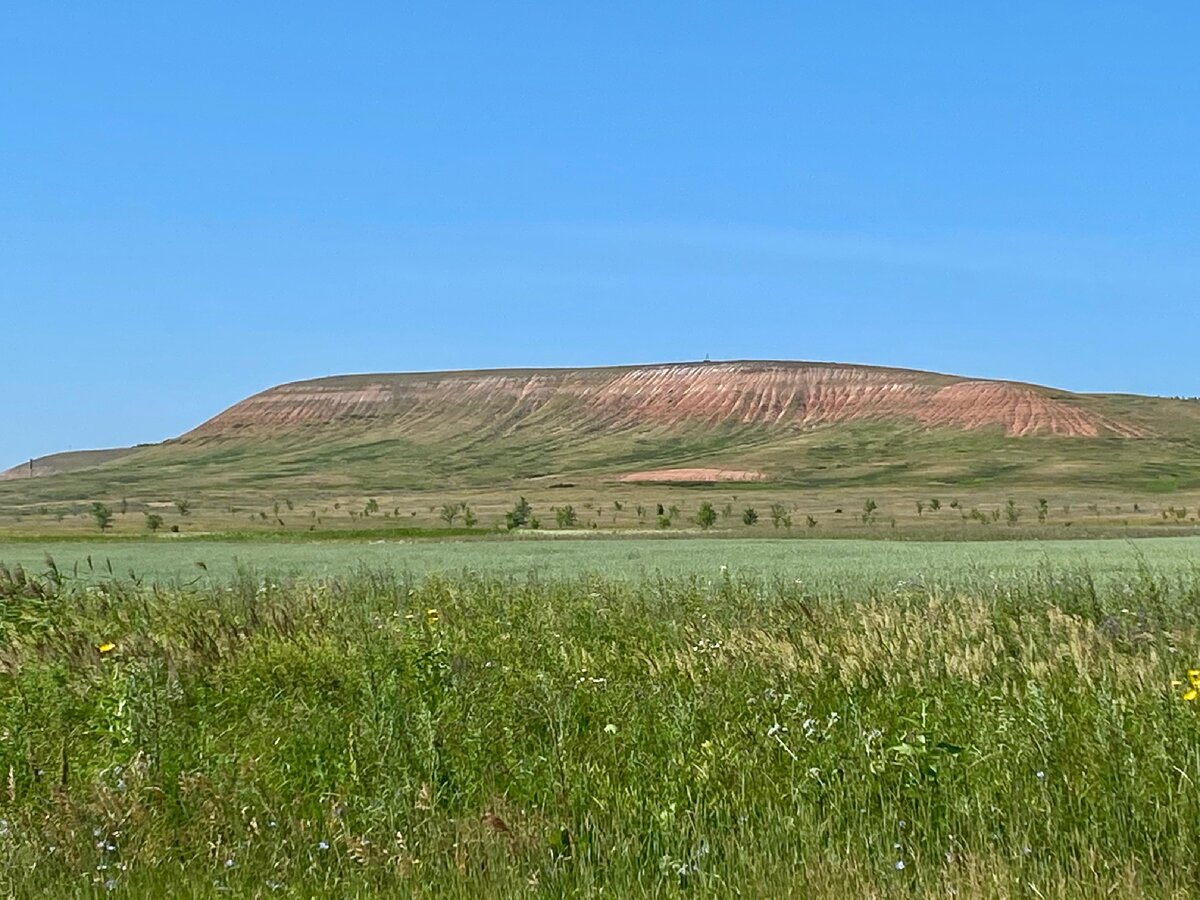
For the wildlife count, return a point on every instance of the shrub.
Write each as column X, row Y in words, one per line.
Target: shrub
column 706, row 516
column 519, row 515
column 153, row 521
column 565, row 516
column 749, row 515
column 102, row 514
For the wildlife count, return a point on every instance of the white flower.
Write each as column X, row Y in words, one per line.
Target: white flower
column 322, row 845
column 899, row 865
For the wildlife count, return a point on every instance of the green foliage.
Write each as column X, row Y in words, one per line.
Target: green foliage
column 469, row 517
column 1012, row 512
column 451, row 511
column 585, row 736
column 153, row 521
column 519, row 516
column 779, row 515
column 749, row 515
column 870, row 508
column 184, row 507
column 102, row 514
column 706, row 516
column 565, row 516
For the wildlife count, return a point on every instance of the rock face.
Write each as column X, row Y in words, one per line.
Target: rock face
column 781, row 394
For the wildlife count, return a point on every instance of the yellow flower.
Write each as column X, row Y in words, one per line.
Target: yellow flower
column 432, row 616
column 1194, row 677
column 107, row 647
column 1192, row 694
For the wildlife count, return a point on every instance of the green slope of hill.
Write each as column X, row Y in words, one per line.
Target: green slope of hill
column 804, row 428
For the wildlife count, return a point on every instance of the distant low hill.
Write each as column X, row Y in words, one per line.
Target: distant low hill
column 756, row 423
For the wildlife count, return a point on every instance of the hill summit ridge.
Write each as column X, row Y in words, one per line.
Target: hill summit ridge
column 753, row 393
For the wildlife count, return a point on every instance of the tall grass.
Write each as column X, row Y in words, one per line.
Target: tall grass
column 386, row 735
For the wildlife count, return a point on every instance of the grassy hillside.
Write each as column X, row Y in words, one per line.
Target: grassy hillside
column 822, row 436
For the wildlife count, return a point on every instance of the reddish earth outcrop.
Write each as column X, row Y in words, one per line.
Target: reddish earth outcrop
column 693, row 475
column 786, row 394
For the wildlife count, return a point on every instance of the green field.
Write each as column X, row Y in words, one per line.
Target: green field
column 840, row 564
column 600, row 718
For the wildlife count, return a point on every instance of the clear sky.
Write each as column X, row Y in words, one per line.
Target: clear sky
column 198, row 201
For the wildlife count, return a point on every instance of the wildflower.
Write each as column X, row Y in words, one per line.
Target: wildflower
column 899, row 865
column 229, row 863
column 323, row 845
column 1194, row 680
column 432, row 616
column 1041, row 776
column 610, row 728
column 106, row 647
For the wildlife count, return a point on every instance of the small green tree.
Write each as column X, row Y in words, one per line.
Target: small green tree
column 706, row 516
column 469, row 518
column 664, row 521
column 184, row 506
column 810, row 521
column 870, row 507
column 1043, row 510
column 153, row 521
column 1012, row 512
column 920, row 508
column 371, row 508
column 102, row 514
column 935, row 504
column 749, row 515
column 450, row 512
column 519, row 515
column 565, row 516
column 779, row 514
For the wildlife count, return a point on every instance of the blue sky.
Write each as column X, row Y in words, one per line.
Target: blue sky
column 199, row 201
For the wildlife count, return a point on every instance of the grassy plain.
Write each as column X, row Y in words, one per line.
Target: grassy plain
column 826, row 565
column 600, row 718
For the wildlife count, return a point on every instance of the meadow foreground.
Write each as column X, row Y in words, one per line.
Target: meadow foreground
column 718, row 734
